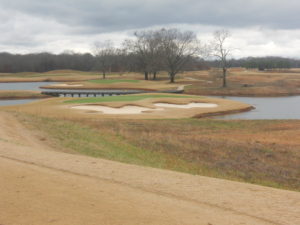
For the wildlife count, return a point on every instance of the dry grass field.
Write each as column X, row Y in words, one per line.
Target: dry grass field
column 260, row 152
column 56, row 75
column 5, row 95
column 242, row 82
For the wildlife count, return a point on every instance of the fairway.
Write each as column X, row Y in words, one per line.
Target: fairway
column 113, row 81
column 125, row 98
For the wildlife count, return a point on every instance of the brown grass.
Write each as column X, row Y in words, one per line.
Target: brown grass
column 243, row 82
column 263, row 152
column 141, row 85
column 57, row 75
column 5, row 95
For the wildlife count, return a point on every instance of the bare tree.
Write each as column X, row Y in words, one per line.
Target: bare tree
column 155, row 53
column 146, row 48
column 220, row 51
column 178, row 49
column 104, row 52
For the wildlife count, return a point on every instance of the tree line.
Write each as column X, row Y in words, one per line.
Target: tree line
column 149, row 52
column 261, row 63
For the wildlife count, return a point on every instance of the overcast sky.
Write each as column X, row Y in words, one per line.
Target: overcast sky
column 258, row 27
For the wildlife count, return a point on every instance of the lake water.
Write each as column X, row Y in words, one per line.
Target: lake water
column 267, row 108
column 15, row 102
column 28, row 86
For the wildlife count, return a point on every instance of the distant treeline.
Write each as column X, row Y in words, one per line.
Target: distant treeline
column 261, row 63
column 121, row 62
column 43, row 62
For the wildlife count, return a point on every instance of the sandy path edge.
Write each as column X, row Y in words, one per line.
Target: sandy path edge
column 209, row 198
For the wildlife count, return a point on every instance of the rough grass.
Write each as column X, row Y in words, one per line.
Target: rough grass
column 57, row 75
column 113, row 81
column 260, row 152
column 74, row 137
column 21, row 95
column 242, row 82
column 123, row 98
column 54, row 73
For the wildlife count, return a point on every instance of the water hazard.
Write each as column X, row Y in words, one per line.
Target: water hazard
column 28, row 86
column 21, row 86
column 267, row 108
column 15, row 102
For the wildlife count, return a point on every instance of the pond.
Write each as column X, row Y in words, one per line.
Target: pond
column 28, row 86
column 15, row 102
column 267, row 108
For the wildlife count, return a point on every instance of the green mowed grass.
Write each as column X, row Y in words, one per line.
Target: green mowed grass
column 113, row 81
column 83, row 139
column 124, row 98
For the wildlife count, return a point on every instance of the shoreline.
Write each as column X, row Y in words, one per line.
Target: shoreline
column 24, row 97
column 222, row 113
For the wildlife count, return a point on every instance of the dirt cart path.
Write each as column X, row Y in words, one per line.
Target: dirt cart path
column 39, row 186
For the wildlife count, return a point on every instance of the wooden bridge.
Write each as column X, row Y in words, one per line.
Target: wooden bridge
column 97, row 93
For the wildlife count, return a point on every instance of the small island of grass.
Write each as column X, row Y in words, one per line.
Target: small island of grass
column 125, row 98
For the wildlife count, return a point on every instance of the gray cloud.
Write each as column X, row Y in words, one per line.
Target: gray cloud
column 103, row 15
column 34, row 25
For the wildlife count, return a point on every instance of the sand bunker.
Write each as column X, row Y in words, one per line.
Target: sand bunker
column 129, row 109
column 187, row 106
column 67, row 85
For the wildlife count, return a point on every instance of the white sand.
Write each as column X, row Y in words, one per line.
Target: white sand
column 129, row 109
column 187, row 106
column 67, row 85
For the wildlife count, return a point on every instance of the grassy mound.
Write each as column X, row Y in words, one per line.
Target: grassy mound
column 113, row 81
column 124, row 98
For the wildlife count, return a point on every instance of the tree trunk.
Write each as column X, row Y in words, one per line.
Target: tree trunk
column 154, row 75
column 146, row 75
column 172, row 77
column 224, row 77
column 103, row 75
